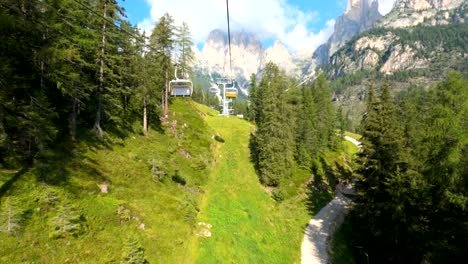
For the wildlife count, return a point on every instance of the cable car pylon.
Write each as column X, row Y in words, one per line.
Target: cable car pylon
column 229, row 91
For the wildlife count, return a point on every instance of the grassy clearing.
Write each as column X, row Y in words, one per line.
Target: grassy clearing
column 160, row 214
column 353, row 135
column 248, row 225
column 160, row 186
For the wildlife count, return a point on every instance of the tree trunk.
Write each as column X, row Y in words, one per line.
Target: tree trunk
column 73, row 119
column 166, row 93
column 97, row 123
column 145, row 117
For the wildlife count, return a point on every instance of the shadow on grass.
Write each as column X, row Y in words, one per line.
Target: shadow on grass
column 319, row 195
column 342, row 245
column 253, row 146
column 7, row 185
column 56, row 167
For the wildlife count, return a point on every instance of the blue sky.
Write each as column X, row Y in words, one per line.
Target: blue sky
column 300, row 24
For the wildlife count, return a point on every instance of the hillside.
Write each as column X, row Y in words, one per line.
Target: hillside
column 247, row 224
column 406, row 57
column 160, row 189
column 154, row 185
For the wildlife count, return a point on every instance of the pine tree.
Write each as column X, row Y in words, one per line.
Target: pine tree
column 27, row 114
column 69, row 59
column 185, row 51
column 11, row 216
column 341, row 121
column 162, row 40
column 253, row 108
column 446, row 166
column 133, row 252
column 106, row 93
column 307, row 136
column 274, row 140
column 325, row 112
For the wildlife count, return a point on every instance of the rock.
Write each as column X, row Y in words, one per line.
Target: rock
column 410, row 13
column 104, row 188
column 402, row 58
column 219, row 138
column 205, row 229
column 360, row 16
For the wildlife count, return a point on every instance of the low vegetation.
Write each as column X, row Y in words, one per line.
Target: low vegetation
column 58, row 212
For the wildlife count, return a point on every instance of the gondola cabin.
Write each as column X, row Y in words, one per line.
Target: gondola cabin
column 230, row 92
column 214, row 90
column 181, row 87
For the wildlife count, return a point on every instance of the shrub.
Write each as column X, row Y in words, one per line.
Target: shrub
column 133, row 252
column 178, row 179
column 278, row 195
column 67, row 222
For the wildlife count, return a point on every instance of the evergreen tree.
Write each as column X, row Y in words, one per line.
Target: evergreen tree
column 26, row 112
column 252, row 107
column 413, row 178
column 446, row 166
column 325, row 112
column 70, row 66
column 162, row 40
column 11, row 216
column 341, row 121
column 185, row 51
column 133, row 252
column 107, row 92
column 274, row 141
column 307, row 136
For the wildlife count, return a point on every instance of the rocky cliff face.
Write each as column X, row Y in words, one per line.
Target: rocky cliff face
column 384, row 53
column 246, row 51
column 281, row 56
column 248, row 56
column 416, row 44
column 359, row 16
column 390, row 50
column 409, row 13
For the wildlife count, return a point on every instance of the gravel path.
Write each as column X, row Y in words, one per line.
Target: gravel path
column 320, row 229
column 315, row 245
column 354, row 141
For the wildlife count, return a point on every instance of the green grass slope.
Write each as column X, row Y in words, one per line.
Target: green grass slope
column 160, row 188
column 248, row 226
column 62, row 217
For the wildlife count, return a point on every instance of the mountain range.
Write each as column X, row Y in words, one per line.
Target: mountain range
column 363, row 40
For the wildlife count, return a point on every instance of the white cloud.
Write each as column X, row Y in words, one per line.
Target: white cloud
column 268, row 18
column 306, row 42
column 385, row 6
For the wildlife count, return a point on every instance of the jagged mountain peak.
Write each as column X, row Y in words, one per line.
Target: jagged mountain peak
column 280, row 55
column 217, row 35
column 409, row 13
column 245, row 38
column 247, row 53
column 427, row 4
column 358, row 9
column 278, row 45
column 359, row 16
column 238, row 38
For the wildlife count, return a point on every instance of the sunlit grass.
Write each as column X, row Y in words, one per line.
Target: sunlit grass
column 353, row 135
column 248, row 225
column 160, row 214
column 221, row 188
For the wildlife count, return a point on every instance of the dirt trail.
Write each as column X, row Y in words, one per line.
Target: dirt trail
column 319, row 231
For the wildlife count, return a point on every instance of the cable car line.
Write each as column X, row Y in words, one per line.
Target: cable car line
column 229, row 38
